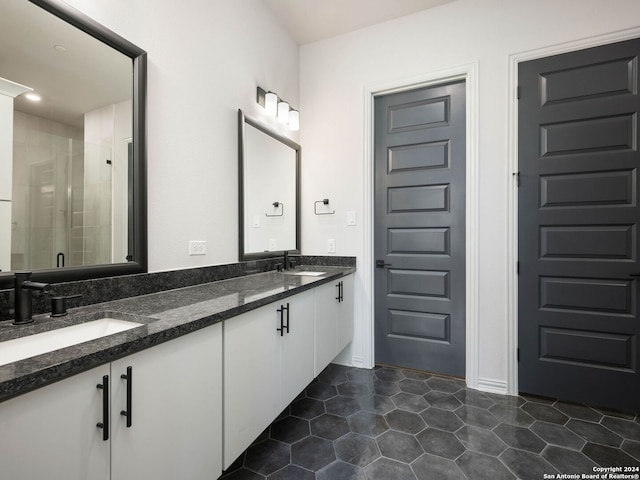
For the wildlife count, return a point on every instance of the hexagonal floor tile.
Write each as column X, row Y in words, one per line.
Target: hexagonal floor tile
column 267, row 457
column 477, row 465
column 526, row 464
column 511, row 415
column 329, row 426
column 445, row 401
column 389, row 374
column 545, row 413
column 558, row 435
column 292, row 472
column 389, row 469
column 481, row 440
column 367, row 423
column 312, row 453
column 478, row 417
column 409, row 385
column 321, row 391
column 339, row 470
column 519, row 437
column 307, row 408
column 430, row 467
column 376, row 403
column 438, row 442
column 441, row 419
column 410, row 402
column 593, row 432
column 568, row 461
column 290, row 429
column 357, row 449
column 399, row 446
column 446, row 385
column 342, row 406
column 407, row 422
column 388, row 389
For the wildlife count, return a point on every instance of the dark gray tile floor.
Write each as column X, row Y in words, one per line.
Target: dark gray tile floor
column 395, row 424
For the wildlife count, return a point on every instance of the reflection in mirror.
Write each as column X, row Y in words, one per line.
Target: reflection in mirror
column 72, row 167
column 269, row 194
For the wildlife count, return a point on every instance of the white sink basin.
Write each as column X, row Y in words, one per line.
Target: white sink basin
column 307, row 273
column 32, row 345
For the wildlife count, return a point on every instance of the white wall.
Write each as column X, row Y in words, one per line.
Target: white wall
column 334, row 76
column 205, row 60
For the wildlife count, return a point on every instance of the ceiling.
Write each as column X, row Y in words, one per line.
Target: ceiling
column 312, row 20
column 72, row 72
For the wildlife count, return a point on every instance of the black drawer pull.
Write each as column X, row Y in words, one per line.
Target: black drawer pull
column 283, row 327
column 104, row 425
column 129, row 411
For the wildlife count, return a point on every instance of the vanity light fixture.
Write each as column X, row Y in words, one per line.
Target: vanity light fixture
column 34, row 97
column 283, row 112
column 275, row 106
column 271, row 104
column 294, row 120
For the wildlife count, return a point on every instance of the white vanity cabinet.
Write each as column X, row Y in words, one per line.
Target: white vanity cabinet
column 51, row 432
column 266, row 366
column 345, row 313
column 176, row 406
column 333, row 320
column 176, row 418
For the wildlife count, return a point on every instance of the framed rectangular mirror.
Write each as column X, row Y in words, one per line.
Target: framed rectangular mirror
column 269, row 191
column 73, row 205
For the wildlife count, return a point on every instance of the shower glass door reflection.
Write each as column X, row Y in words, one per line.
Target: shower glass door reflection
column 62, row 204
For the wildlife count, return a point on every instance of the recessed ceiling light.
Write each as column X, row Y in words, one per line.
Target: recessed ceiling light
column 60, row 48
column 34, row 97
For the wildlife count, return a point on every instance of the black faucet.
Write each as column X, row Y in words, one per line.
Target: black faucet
column 24, row 288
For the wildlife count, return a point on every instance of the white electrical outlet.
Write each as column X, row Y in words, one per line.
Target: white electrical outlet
column 272, row 244
column 331, row 245
column 197, row 247
column 351, row 218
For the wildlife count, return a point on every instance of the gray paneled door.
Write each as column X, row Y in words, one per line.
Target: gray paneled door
column 420, row 146
column 578, row 233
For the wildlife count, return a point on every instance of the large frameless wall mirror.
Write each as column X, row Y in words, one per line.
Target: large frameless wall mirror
column 73, row 163
column 269, row 167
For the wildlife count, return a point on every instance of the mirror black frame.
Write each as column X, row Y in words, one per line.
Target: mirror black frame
column 242, row 120
column 138, row 251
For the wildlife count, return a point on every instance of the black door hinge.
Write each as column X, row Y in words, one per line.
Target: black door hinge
column 516, row 175
column 518, row 354
column 518, row 267
column 518, row 92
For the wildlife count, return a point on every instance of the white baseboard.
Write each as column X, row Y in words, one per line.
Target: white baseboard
column 492, row 386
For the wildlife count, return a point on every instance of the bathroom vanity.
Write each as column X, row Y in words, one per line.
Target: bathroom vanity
column 148, row 402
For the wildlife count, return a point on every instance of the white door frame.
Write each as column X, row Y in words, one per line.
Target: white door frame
column 512, row 201
column 469, row 73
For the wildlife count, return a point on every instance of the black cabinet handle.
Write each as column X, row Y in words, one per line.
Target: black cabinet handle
column 129, row 411
column 381, row 264
column 104, row 425
column 287, row 325
column 283, row 327
column 341, row 291
column 339, row 298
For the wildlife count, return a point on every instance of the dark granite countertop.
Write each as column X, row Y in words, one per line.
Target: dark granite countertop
column 163, row 315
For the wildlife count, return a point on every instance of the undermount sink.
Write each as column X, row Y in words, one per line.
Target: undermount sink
column 305, row 272
column 39, row 343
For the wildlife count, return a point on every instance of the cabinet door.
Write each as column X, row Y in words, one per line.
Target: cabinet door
column 251, row 378
column 326, row 325
column 345, row 319
column 176, row 410
column 51, row 433
column 297, row 362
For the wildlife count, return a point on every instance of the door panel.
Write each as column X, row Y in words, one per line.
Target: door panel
column 578, row 214
column 420, row 222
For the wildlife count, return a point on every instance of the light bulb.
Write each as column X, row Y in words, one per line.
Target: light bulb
column 271, row 104
column 294, row 120
column 283, row 112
